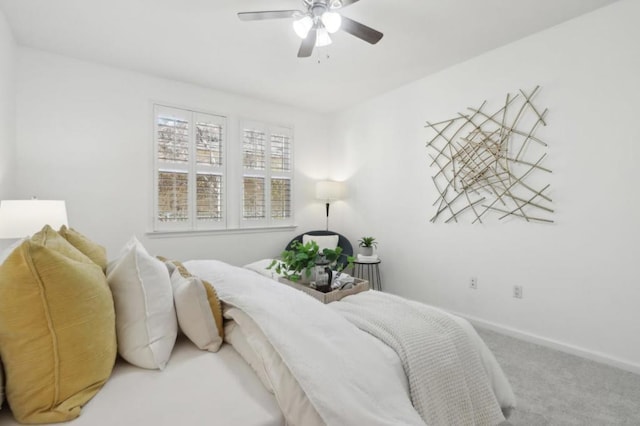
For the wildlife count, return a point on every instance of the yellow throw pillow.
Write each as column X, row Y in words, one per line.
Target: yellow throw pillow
column 57, row 329
column 197, row 306
column 93, row 251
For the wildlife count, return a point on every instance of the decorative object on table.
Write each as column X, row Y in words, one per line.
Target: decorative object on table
column 368, row 269
column 329, row 191
column 357, row 286
column 298, row 263
column 23, row 218
column 316, row 22
column 343, row 243
column 486, row 159
column 323, row 276
column 367, row 244
column 343, row 282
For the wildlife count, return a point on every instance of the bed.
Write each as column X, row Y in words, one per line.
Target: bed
column 371, row 358
column 195, row 388
column 289, row 359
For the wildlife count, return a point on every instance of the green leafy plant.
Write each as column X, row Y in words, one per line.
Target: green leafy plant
column 367, row 242
column 302, row 258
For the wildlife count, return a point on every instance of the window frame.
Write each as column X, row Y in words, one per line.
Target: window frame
column 192, row 168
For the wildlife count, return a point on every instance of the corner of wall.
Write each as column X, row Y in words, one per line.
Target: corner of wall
column 7, row 109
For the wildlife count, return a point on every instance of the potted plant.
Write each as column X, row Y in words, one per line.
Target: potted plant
column 367, row 244
column 297, row 264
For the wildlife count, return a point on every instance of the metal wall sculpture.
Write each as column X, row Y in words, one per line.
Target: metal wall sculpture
column 488, row 161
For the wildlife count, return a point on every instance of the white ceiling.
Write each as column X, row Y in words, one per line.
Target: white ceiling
column 203, row 42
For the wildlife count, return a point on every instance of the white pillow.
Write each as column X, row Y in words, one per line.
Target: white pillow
column 195, row 313
column 260, row 267
column 323, row 241
column 146, row 325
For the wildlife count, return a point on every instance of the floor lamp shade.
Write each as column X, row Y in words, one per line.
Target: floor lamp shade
column 21, row 218
column 327, row 190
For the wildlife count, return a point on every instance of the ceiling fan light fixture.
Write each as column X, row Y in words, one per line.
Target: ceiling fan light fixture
column 302, row 26
column 331, row 21
column 323, row 38
column 335, row 4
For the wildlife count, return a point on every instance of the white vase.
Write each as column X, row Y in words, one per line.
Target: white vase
column 366, row 251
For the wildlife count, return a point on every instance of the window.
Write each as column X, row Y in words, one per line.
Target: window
column 190, row 170
column 267, row 179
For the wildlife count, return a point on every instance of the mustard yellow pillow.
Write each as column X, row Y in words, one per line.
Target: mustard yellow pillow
column 93, row 251
column 57, row 329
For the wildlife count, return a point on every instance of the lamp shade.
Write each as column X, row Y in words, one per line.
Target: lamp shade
column 331, row 21
column 323, row 38
column 302, row 26
column 328, row 190
column 21, row 218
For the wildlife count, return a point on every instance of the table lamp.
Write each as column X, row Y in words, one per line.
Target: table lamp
column 22, row 218
column 329, row 191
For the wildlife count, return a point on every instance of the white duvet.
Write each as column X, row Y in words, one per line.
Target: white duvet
column 347, row 377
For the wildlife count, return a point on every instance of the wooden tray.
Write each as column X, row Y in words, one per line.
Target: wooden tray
column 360, row 285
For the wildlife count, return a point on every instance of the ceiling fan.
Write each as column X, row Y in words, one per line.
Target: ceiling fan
column 315, row 24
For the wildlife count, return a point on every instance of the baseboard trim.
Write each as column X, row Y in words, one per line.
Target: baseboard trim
column 553, row 344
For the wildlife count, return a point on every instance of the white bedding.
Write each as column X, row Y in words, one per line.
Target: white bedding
column 196, row 388
column 350, row 380
column 343, row 372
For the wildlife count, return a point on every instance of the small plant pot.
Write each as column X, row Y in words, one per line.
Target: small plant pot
column 366, row 251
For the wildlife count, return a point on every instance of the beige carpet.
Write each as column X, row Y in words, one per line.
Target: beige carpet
column 555, row 388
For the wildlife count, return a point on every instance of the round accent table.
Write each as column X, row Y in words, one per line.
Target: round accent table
column 369, row 271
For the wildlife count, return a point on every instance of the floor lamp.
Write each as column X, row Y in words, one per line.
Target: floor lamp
column 329, row 191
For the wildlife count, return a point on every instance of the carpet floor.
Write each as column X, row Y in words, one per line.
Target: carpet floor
column 555, row 388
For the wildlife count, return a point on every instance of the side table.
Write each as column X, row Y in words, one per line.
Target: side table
column 369, row 271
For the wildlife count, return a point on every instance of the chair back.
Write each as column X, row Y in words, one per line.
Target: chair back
column 343, row 243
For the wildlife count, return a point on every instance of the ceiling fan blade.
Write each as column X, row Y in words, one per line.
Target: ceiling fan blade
column 361, row 31
column 268, row 14
column 306, row 48
column 346, row 3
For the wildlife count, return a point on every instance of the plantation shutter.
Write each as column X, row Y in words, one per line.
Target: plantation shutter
column 281, row 174
column 254, row 163
column 267, row 178
column 190, row 170
column 209, row 166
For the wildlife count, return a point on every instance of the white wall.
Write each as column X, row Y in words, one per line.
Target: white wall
column 7, row 109
column 580, row 281
column 85, row 135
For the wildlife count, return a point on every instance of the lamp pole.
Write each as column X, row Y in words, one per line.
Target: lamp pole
column 328, row 215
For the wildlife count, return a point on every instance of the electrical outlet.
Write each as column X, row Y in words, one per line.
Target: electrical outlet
column 517, row 291
column 473, row 283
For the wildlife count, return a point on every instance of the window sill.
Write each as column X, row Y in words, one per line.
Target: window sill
column 203, row 233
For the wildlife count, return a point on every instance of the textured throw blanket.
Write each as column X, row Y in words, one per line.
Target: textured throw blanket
column 448, row 382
